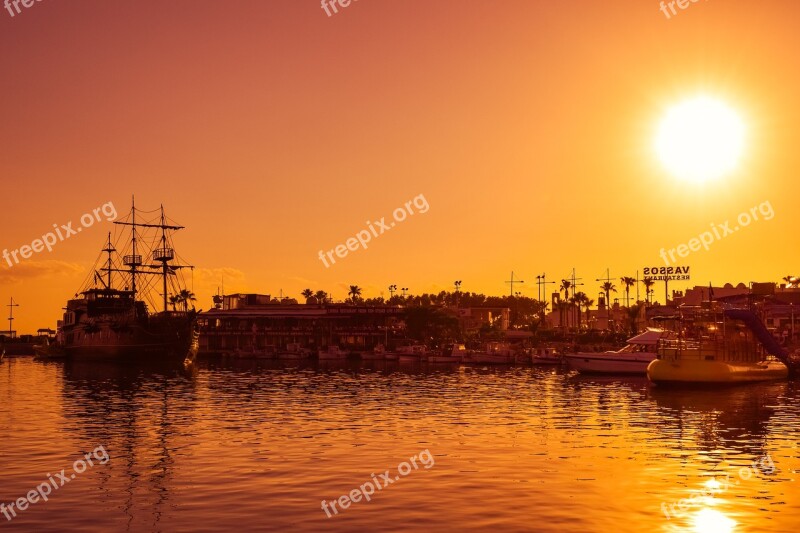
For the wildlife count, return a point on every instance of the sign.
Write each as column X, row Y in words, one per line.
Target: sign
column 671, row 273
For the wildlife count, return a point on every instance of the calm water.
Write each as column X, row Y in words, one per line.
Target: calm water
column 257, row 448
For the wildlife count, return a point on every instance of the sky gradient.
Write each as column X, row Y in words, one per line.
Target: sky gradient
column 272, row 131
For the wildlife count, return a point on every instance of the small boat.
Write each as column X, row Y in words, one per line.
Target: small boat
column 412, row 354
column 390, row 356
column 632, row 359
column 47, row 351
column 332, row 353
column 495, row 353
column 251, row 352
column 719, row 345
column 376, row 354
column 451, row 353
column 546, row 355
column 294, row 352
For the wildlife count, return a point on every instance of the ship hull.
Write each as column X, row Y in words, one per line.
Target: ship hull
column 610, row 363
column 164, row 339
column 696, row 371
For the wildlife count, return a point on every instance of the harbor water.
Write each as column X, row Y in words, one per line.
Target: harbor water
column 255, row 446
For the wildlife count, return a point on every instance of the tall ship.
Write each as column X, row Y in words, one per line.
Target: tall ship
column 123, row 310
column 719, row 344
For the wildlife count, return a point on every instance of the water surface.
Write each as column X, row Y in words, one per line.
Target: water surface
column 255, row 446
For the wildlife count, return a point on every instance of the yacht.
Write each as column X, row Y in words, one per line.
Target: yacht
column 717, row 345
column 634, row 358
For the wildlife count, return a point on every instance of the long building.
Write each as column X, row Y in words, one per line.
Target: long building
column 247, row 322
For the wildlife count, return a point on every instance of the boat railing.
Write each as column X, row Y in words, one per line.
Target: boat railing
column 710, row 349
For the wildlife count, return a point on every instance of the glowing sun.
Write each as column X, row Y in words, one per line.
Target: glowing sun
column 700, row 139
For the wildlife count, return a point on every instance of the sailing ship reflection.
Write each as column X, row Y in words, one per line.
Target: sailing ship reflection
column 135, row 411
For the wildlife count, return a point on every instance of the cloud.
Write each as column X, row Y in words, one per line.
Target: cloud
column 303, row 281
column 29, row 270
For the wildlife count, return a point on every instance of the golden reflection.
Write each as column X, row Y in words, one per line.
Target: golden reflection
column 711, row 521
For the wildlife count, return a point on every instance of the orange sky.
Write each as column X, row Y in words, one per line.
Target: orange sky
column 273, row 131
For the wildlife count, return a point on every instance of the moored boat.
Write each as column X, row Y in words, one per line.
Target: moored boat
column 494, row 353
column 634, row 358
column 412, row 354
column 332, row 353
column 293, row 352
column 109, row 323
column 546, row 355
column 450, row 353
column 719, row 346
column 376, row 354
column 48, row 351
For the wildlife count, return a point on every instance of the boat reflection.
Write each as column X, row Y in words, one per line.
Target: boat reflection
column 136, row 412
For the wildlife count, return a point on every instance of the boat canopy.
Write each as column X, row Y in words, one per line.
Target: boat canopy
column 650, row 336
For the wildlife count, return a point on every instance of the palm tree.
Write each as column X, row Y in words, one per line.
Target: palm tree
column 321, row 296
column 174, row 300
column 307, row 293
column 587, row 303
column 566, row 285
column 575, row 302
column 629, row 282
column 355, row 293
column 633, row 317
column 578, row 299
column 608, row 287
column 647, row 290
column 186, row 296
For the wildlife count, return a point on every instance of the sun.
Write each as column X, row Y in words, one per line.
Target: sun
column 701, row 139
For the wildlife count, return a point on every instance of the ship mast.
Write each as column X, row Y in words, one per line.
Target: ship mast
column 164, row 254
column 133, row 260
column 109, row 250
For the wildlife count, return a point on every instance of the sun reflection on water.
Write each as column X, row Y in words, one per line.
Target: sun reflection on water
column 711, row 521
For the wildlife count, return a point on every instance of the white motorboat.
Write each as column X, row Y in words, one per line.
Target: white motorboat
column 632, row 359
column 451, row 353
column 413, row 353
column 546, row 355
column 495, row 353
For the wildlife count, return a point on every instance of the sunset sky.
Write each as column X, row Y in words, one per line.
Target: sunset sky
column 273, row 131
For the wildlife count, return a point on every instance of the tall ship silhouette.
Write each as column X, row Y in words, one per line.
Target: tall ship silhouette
column 114, row 316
